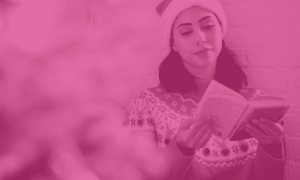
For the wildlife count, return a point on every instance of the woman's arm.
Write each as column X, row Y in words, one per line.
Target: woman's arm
column 268, row 167
column 270, row 157
column 178, row 162
column 140, row 122
column 269, row 162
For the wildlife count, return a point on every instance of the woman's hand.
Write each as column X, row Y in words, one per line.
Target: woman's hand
column 270, row 136
column 270, row 133
column 195, row 134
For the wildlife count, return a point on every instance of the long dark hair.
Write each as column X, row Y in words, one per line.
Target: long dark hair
column 174, row 77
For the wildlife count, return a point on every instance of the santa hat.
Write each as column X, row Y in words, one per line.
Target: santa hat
column 170, row 9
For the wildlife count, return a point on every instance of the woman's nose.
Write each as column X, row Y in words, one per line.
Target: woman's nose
column 200, row 37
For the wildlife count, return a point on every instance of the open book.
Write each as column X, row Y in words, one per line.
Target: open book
column 234, row 111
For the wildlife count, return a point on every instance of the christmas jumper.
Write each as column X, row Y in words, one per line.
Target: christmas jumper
column 159, row 113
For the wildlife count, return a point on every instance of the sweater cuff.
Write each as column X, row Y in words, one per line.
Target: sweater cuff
column 267, row 167
column 178, row 163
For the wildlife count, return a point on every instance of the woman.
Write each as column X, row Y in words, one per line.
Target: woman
column 195, row 31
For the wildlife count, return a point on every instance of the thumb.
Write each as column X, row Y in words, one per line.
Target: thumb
column 186, row 124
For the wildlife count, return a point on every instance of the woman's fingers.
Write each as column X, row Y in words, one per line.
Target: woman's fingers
column 275, row 127
column 202, row 135
column 186, row 124
column 258, row 136
column 182, row 136
column 191, row 132
column 255, row 131
column 201, row 132
column 265, row 128
column 272, row 132
column 201, row 125
column 204, row 138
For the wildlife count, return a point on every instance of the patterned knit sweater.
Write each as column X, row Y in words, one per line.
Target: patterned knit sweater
column 159, row 113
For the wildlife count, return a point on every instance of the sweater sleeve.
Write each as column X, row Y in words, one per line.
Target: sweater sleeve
column 178, row 163
column 268, row 167
column 140, row 122
column 139, row 118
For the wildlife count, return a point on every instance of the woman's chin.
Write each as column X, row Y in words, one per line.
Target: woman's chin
column 203, row 63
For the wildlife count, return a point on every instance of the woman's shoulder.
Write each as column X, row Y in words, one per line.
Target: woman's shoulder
column 250, row 93
column 159, row 94
column 154, row 90
column 151, row 92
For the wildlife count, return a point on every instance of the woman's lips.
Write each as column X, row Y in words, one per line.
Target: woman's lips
column 201, row 51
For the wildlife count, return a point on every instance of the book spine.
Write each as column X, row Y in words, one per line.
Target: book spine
column 232, row 131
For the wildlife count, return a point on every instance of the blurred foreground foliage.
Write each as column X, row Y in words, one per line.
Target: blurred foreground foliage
column 60, row 106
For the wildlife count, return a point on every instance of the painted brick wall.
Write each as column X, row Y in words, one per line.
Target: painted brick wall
column 265, row 35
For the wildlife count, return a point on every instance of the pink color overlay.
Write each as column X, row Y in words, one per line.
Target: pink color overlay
column 69, row 69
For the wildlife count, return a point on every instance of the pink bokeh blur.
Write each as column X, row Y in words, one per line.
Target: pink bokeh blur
column 65, row 68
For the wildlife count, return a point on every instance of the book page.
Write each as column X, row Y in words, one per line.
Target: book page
column 227, row 109
column 271, row 101
column 218, row 88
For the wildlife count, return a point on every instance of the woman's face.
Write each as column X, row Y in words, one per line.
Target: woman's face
column 191, row 27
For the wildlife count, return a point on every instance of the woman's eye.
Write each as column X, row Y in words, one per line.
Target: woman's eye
column 186, row 33
column 208, row 27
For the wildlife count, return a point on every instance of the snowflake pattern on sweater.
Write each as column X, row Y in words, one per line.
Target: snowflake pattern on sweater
column 159, row 113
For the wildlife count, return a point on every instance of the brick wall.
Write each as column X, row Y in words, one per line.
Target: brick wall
column 266, row 35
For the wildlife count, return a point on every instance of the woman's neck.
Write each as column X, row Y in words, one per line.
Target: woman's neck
column 203, row 74
column 200, row 88
column 202, row 80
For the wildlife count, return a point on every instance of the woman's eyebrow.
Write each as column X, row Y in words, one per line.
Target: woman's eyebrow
column 188, row 24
